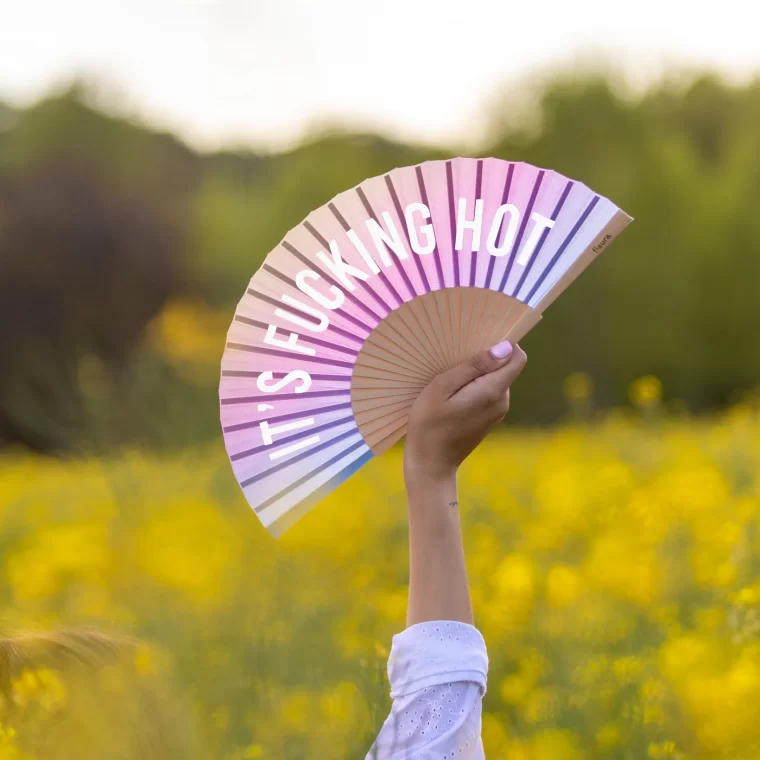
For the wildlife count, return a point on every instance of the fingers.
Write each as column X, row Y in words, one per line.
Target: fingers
column 482, row 363
column 490, row 393
column 494, row 387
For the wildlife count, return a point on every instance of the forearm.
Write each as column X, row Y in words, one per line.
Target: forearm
column 438, row 588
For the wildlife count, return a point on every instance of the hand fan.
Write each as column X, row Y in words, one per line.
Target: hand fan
column 377, row 292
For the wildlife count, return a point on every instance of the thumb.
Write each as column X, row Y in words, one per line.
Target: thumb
column 482, row 363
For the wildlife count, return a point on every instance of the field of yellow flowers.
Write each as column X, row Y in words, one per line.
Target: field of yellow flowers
column 614, row 568
column 614, row 572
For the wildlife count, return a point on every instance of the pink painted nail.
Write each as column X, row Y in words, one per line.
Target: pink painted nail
column 501, row 350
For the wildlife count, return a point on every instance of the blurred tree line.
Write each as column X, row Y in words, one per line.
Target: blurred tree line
column 103, row 221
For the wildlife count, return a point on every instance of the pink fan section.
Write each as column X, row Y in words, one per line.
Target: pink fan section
column 286, row 371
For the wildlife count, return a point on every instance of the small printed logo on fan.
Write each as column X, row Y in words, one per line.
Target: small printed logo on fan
column 598, row 247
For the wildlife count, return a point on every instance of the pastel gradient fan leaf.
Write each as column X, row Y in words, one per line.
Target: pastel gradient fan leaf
column 377, row 292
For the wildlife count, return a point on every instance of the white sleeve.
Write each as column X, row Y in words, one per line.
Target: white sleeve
column 437, row 672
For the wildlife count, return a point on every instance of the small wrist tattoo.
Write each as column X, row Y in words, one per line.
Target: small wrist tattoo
column 453, row 504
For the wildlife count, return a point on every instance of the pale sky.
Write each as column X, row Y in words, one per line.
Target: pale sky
column 262, row 73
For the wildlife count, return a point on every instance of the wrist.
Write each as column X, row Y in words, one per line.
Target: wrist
column 430, row 486
column 419, row 468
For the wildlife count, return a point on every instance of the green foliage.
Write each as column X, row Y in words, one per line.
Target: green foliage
column 240, row 216
column 675, row 297
column 68, row 128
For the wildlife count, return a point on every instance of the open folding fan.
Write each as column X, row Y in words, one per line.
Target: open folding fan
column 377, row 292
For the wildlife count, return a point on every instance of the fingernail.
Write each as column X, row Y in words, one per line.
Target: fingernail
column 501, row 350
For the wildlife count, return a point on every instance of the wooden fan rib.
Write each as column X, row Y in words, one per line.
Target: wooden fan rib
column 523, row 326
column 370, row 367
column 466, row 315
column 426, row 334
column 454, row 317
column 492, row 308
column 373, row 373
column 383, row 437
column 481, row 307
column 375, row 383
column 440, row 300
column 388, row 336
column 518, row 329
column 379, row 359
column 496, row 322
column 382, row 440
column 363, row 405
column 368, row 412
column 360, row 393
column 417, row 308
column 440, row 320
column 396, row 329
column 383, row 382
column 370, row 424
column 373, row 379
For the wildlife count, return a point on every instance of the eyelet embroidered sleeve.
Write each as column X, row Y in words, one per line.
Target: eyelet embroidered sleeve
column 437, row 671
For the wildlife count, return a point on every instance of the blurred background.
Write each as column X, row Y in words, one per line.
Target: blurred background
column 151, row 154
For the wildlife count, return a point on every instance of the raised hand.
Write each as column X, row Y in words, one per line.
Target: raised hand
column 457, row 409
column 448, row 420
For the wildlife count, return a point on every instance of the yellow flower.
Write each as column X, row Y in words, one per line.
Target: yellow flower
column 494, row 734
column 627, row 669
column 515, row 688
column 540, row 705
column 645, row 391
column 516, row 574
column 41, row 687
column 563, row 585
column 661, row 749
column 145, row 661
column 336, row 704
column 623, row 566
column 189, row 546
column 556, row 745
column 578, row 387
column 749, row 595
column 220, row 718
column 609, row 737
column 56, row 554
